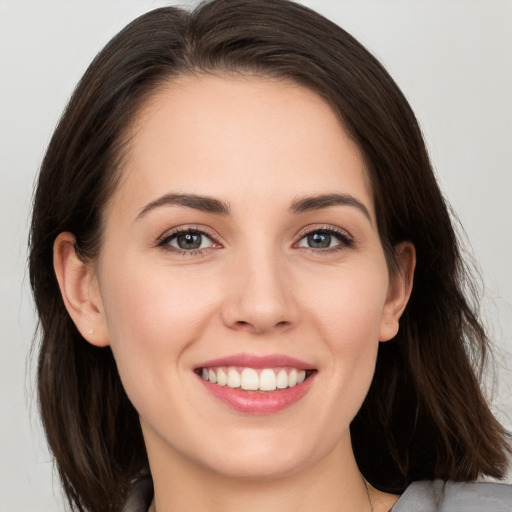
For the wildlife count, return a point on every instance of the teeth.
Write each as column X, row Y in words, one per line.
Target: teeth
column 233, row 378
column 249, row 379
column 222, row 378
column 266, row 379
column 282, row 379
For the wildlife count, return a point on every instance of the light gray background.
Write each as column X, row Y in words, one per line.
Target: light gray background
column 453, row 60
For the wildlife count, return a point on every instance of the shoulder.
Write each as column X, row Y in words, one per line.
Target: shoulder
column 439, row 496
column 425, row 496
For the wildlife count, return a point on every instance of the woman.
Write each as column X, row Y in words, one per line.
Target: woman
column 249, row 285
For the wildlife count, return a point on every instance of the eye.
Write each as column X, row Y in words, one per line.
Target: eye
column 187, row 240
column 325, row 239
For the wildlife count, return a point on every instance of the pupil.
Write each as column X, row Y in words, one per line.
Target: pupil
column 189, row 241
column 319, row 240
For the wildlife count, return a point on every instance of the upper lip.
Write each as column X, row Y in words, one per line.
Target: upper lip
column 256, row 361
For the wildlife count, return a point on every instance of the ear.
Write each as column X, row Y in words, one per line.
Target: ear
column 399, row 291
column 80, row 291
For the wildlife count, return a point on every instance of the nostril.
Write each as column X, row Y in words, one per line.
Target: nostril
column 259, row 327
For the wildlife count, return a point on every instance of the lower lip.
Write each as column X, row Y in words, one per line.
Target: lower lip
column 258, row 402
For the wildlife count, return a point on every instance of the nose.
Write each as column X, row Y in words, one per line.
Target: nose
column 259, row 296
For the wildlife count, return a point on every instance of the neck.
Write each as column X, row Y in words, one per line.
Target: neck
column 332, row 484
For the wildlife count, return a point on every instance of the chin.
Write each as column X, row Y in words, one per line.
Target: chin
column 267, row 456
column 258, row 467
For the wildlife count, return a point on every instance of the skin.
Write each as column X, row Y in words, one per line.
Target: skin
column 256, row 287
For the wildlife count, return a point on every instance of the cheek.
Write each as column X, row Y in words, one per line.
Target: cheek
column 348, row 317
column 349, row 305
column 152, row 305
column 152, row 317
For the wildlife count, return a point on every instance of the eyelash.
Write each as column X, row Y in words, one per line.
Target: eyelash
column 345, row 240
column 164, row 242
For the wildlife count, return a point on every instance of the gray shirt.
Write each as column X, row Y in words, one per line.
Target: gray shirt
column 426, row 496
column 438, row 496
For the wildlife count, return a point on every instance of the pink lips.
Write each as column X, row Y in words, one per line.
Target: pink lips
column 258, row 402
column 254, row 361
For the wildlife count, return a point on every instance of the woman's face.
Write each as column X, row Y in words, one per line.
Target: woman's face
column 242, row 246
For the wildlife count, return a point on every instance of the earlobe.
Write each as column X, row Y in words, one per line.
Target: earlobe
column 400, row 288
column 80, row 292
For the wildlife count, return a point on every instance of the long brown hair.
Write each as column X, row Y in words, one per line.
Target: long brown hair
column 425, row 416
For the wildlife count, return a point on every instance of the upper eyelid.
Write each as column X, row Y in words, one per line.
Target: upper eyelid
column 187, row 229
column 328, row 228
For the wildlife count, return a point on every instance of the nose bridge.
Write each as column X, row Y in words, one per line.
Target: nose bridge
column 259, row 298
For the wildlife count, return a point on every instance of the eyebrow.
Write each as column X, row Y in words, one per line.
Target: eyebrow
column 212, row 205
column 306, row 204
column 202, row 203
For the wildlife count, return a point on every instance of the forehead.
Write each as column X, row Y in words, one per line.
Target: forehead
column 225, row 135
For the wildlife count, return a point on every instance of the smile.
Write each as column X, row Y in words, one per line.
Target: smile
column 254, row 384
column 255, row 379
